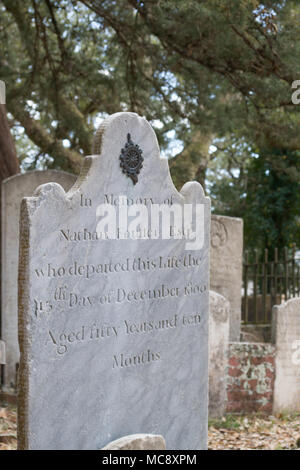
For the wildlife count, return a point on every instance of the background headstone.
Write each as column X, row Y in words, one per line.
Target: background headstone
column 138, row 442
column 286, row 336
column 13, row 191
column 2, row 352
column 218, row 353
column 113, row 333
column 226, row 266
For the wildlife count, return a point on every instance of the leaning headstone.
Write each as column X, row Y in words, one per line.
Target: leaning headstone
column 218, row 353
column 2, row 352
column 113, row 319
column 226, row 266
column 286, row 336
column 13, row 191
column 138, row 442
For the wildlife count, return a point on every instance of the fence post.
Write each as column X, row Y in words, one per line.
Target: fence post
column 246, row 286
column 272, row 288
column 255, row 286
column 276, row 274
column 293, row 270
column 265, row 281
column 286, row 273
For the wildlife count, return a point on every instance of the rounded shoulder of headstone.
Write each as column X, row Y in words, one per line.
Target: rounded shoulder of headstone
column 192, row 190
column 291, row 304
column 44, row 190
column 137, row 442
column 48, row 192
column 228, row 219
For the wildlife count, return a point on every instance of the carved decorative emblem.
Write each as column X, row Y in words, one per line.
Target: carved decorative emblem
column 131, row 159
column 218, row 234
column 219, row 310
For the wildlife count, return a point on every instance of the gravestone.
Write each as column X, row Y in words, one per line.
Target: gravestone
column 113, row 320
column 137, row 442
column 13, row 191
column 226, row 266
column 286, row 337
column 218, row 353
column 2, row 352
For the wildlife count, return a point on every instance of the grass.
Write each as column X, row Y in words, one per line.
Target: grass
column 227, row 422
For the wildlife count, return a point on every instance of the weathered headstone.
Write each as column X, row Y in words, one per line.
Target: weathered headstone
column 226, row 266
column 13, row 191
column 114, row 330
column 137, row 442
column 2, row 352
column 218, row 353
column 286, row 336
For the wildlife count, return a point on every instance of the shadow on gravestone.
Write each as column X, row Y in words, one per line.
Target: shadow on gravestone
column 119, row 342
column 13, row 190
column 137, row 442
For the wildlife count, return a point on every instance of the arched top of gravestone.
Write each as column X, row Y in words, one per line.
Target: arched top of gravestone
column 126, row 160
column 56, row 174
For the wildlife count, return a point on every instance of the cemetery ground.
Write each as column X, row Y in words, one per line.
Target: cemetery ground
column 232, row 432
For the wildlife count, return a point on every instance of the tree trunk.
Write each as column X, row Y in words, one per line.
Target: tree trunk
column 9, row 164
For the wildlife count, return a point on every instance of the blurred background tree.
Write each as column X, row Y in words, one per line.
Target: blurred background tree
column 213, row 78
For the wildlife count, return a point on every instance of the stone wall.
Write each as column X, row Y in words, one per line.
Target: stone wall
column 286, row 336
column 226, row 266
column 250, row 377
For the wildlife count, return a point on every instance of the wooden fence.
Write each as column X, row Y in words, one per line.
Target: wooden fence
column 268, row 280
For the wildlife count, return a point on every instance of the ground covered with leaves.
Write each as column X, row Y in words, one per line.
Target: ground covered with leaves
column 255, row 432
column 8, row 428
column 231, row 432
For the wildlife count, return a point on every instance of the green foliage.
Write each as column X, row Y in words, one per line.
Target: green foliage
column 263, row 189
column 273, row 200
column 207, row 75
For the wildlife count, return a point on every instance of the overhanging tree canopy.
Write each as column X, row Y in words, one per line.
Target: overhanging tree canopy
column 203, row 72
